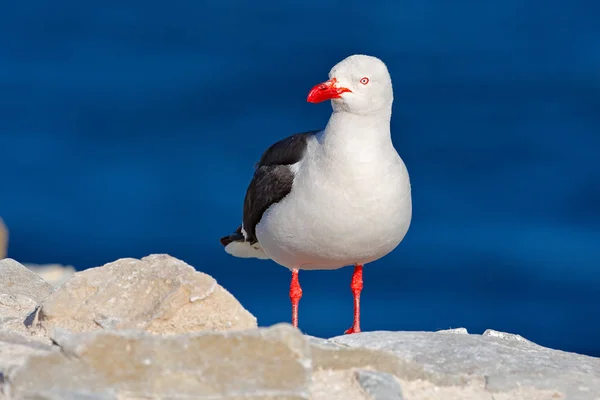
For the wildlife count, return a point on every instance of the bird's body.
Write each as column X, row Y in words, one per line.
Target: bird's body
column 336, row 197
column 350, row 204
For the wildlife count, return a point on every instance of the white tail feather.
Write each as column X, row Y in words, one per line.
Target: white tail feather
column 246, row 250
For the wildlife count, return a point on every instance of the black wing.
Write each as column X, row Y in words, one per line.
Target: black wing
column 272, row 181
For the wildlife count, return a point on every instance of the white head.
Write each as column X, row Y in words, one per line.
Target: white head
column 358, row 84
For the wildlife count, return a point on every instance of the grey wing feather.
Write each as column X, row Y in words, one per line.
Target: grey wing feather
column 272, row 181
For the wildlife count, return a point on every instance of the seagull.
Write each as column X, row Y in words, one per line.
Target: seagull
column 335, row 197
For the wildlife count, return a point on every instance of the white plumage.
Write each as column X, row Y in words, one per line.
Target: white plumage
column 246, row 250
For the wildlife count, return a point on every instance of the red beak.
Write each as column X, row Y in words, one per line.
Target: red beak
column 326, row 91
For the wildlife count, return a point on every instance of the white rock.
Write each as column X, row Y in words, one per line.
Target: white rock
column 504, row 335
column 21, row 292
column 15, row 350
column 379, row 385
column 15, row 279
column 281, row 363
column 158, row 294
column 271, row 363
column 458, row 331
column 500, row 363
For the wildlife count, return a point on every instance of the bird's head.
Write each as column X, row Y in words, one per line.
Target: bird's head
column 359, row 84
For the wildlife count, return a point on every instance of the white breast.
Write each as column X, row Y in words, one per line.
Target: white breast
column 346, row 207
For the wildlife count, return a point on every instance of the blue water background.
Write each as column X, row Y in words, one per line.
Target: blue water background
column 131, row 127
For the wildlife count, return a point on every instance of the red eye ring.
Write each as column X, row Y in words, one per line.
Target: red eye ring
column 364, row 80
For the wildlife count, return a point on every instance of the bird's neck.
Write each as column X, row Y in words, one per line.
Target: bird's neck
column 357, row 132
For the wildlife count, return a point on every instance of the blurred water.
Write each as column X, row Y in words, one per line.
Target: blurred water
column 130, row 128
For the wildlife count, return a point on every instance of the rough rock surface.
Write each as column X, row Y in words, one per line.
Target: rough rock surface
column 15, row 279
column 379, row 385
column 3, row 240
column 15, row 350
column 158, row 294
column 156, row 328
column 281, row 363
column 494, row 363
column 271, row 363
column 21, row 292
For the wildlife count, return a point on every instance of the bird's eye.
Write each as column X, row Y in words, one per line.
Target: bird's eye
column 364, row 80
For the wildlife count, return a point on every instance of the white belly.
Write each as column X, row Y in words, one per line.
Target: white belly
column 341, row 217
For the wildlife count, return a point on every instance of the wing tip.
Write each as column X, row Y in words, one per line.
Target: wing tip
column 225, row 240
column 236, row 236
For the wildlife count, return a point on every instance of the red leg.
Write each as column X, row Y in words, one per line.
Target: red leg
column 295, row 295
column 356, row 286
